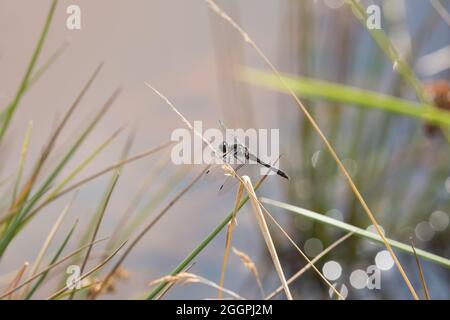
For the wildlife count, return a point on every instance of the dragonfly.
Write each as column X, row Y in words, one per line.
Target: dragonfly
column 239, row 156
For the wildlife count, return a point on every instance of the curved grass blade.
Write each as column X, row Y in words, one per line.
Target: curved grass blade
column 154, row 293
column 16, row 280
column 357, row 231
column 150, row 226
column 11, row 108
column 50, row 145
column 55, row 258
column 23, row 155
column 82, row 165
column 49, row 239
column 389, row 50
column 49, row 267
column 99, row 218
column 87, row 274
column 88, row 179
column 312, row 88
column 309, row 265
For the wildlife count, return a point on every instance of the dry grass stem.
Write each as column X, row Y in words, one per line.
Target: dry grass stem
column 251, row 266
column 266, row 234
column 421, row 275
column 87, row 274
column 228, row 238
column 16, row 280
column 70, row 255
column 185, row 278
column 309, row 265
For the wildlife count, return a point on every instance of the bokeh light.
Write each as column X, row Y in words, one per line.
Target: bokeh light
column 358, row 279
column 383, row 260
column 332, row 270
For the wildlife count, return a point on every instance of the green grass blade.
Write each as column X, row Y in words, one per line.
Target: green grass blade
column 82, row 165
column 202, row 245
column 23, row 155
column 11, row 108
column 47, row 64
column 94, row 176
column 49, row 239
column 17, row 219
column 134, row 222
column 40, row 72
column 55, row 258
column 357, row 231
column 312, row 88
column 389, row 50
column 97, row 220
column 87, row 274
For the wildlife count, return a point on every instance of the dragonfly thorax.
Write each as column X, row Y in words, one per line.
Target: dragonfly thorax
column 234, row 151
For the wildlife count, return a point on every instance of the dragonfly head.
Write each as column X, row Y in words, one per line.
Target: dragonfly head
column 224, row 147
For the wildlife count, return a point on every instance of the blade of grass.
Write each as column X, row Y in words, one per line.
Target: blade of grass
column 101, row 214
column 47, row 64
column 256, row 201
column 327, row 282
column 134, row 223
column 83, row 164
column 419, row 267
column 440, row 9
column 120, row 229
column 87, row 274
column 23, row 155
column 266, row 235
column 151, row 295
column 49, row 267
column 215, row 8
column 96, row 218
column 171, row 284
column 49, row 238
column 251, row 267
column 40, row 71
column 228, row 238
column 90, row 178
column 16, row 280
column 50, row 145
column 186, row 278
column 148, row 227
column 383, row 41
column 357, row 231
column 11, row 108
column 55, row 258
column 44, row 155
column 308, row 266
column 312, row 88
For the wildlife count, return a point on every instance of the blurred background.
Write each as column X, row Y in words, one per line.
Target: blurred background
column 400, row 163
